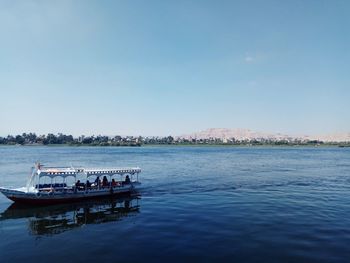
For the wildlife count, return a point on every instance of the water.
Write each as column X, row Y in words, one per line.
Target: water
column 203, row 204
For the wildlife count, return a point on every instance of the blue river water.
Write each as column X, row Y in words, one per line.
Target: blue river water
column 206, row 204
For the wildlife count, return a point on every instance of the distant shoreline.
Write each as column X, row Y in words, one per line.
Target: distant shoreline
column 186, row 145
column 31, row 139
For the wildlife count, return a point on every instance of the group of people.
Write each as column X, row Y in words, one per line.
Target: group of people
column 105, row 182
column 101, row 183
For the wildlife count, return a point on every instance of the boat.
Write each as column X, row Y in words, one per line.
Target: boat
column 38, row 193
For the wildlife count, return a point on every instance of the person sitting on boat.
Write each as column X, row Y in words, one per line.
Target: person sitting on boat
column 104, row 181
column 79, row 185
column 114, row 183
column 76, row 185
column 88, row 184
column 97, row 181
column 127, row 179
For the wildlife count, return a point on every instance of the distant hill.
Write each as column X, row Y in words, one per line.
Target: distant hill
column 246, row 134
column 333, row 137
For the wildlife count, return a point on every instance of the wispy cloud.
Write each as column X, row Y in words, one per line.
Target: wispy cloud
column 248, row 59
column 255, row 57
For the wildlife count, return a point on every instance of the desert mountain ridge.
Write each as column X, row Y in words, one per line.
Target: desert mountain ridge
column 247, row 134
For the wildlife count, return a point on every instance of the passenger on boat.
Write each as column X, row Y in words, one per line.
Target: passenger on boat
column 127, row 179
column 79, row 185
column 97, row 181
column 88, row 184
column 105, row 181
column 114, row 183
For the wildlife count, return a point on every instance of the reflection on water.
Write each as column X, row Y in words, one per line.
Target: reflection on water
column 56, row 219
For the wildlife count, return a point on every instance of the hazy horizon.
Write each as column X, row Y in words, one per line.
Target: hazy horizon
column 186, row 134
column 174, row 67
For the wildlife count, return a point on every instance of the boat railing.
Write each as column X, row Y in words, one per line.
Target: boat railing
column 55, row 185
column 81, row 187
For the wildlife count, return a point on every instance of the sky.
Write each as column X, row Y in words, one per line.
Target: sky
column 174, row 67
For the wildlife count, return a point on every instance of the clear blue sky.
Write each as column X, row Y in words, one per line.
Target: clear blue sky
column 174, row 67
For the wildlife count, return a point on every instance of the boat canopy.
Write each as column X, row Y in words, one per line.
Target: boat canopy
column 70, row 171
column 113, row 171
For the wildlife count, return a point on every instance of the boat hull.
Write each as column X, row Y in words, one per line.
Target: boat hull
column 45, row 198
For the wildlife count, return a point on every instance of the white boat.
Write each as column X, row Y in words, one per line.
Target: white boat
column 38, row 193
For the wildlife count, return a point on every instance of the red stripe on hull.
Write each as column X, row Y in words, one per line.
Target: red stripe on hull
column 39, row 201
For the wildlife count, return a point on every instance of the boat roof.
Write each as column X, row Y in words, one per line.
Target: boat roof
column 71, row 171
